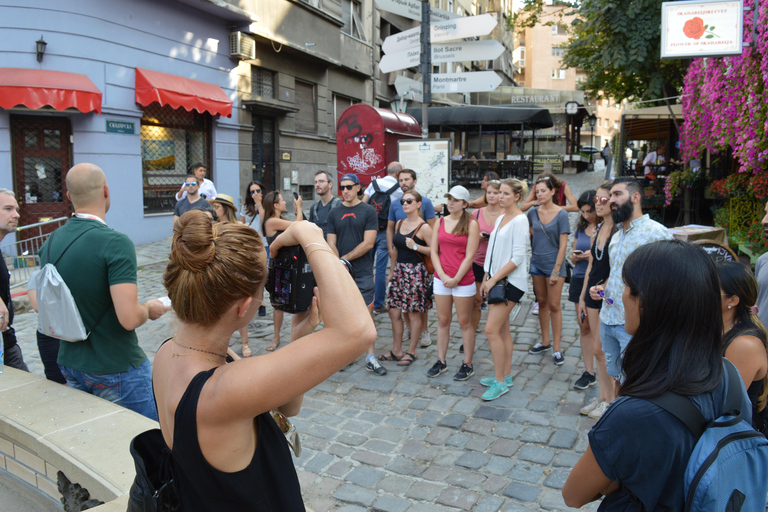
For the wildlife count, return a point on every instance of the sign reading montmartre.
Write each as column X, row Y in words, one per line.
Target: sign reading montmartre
column 411, row 9
column 443, row 52
column 701, row 28
column 445, row 83
column 458, row 28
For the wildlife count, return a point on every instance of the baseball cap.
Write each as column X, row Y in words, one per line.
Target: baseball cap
column 350, row 177
column 458, row 192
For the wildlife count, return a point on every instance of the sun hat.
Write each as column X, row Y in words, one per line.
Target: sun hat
column 458, row 192
column 225, row 200
column 350, row 177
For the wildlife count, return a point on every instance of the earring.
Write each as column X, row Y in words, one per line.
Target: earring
column 729, row 307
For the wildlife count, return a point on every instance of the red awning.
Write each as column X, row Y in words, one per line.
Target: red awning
column 178, row 91
column 36, row 88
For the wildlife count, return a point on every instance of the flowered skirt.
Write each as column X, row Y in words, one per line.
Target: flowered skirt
column 408, row 290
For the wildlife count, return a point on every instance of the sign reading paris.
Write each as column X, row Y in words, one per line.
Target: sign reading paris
column 701, row 28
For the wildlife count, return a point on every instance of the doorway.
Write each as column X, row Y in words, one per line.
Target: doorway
column 263, row 159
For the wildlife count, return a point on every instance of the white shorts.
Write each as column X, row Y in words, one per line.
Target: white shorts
column 460, row 291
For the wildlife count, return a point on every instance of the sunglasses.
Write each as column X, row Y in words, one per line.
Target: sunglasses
column 601, row 200
column 255, row 191
column 289, row 429
column 347, row 187
column 190, row 184
column 545, row 178
column 409, row 201
column 494, row 182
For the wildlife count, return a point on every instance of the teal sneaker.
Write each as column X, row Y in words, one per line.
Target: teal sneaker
column 496, row 390
column 489, row 380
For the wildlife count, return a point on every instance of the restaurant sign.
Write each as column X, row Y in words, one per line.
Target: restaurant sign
column 701, row 28
column 547, row 163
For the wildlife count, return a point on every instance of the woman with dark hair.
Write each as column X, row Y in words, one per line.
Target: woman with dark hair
column 563, row 194
column 597, row 272
column 549, row 238
column 745, row 342
column 228, row 452
column 274, row 224
column 252, row 213
column 580, row 255
column 638, row 452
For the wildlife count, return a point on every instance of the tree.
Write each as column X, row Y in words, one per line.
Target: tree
column 617, row 44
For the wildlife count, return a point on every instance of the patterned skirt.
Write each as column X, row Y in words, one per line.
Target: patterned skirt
column 408, row 288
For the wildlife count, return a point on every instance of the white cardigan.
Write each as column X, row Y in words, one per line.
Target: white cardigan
column 510, row 243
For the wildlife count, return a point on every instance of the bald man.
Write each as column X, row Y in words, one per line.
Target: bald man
column 99, row 267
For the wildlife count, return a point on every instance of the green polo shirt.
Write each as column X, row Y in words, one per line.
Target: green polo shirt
column 97, row 260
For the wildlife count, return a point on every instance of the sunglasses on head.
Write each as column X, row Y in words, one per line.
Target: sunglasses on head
column 347, row 187
column 190, row 184
column 409, row 201
column 545, row 178
column 601, row 200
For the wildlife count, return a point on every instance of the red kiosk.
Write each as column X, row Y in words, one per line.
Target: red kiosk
column 366, row 140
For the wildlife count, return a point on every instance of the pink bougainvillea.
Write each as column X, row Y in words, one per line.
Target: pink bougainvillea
column 725, row 102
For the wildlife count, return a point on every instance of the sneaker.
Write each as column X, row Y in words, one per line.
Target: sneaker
column 598, row 411
column 587, row 379
column 464, row 372
column 558, row 357
column 496, row 390
column 535, row 308
column 488, row 381
column 437, row 369
column 262, row 310
column 425, row 340
column 589, row 407
column 539, row 349
column 374, row 366
column 382, row 309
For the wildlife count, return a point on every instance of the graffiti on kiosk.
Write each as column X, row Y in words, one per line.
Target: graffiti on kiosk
column 364, row 162
column 355, row 132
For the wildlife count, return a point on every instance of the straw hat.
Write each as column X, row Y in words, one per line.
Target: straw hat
column 225, row 200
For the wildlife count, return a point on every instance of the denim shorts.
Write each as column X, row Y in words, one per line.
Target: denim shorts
column 614, row 340
column 131, row 389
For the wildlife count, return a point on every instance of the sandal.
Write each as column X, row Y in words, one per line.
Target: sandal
column 389, row 357
column 272, row 346
column 247, row 351
column 409, row 361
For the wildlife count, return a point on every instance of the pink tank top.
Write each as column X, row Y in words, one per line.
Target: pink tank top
column 453, row 249
column 484, row 228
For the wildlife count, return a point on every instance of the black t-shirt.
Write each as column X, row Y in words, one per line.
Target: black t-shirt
column 349, row 224
column 404, row 254
column 646, row 449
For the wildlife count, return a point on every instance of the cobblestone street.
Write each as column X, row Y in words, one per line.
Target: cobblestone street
column 405, row 442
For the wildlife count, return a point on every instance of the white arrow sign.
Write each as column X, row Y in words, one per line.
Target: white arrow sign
column 413, row 88
column 443, row 52
column 458, row 28
column 477, row 81
column 411, row 9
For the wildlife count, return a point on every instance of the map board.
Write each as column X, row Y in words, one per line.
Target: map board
column 431, row 159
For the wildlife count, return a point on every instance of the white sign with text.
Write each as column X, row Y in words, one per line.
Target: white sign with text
column 703, row 28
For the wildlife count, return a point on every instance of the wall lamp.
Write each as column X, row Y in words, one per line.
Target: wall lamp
column 41, row 44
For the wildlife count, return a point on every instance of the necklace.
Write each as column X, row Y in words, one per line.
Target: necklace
column 598, row 253
column 174, row 342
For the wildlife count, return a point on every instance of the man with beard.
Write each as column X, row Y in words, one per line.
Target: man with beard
column 761, row 274
column 9, row 221
column 634, row 230
column 318, row 212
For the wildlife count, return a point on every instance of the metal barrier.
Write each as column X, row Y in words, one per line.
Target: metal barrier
column 21, row 256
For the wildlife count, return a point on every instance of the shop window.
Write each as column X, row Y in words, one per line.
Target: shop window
column 172, row 140
column 262, row 82
column 351, row 16
column 306, row 117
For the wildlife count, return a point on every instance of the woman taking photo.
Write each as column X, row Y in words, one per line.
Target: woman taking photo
column 745, row 340
column 549, row 231
column 408, row 279
column 582, row 241
column 274, row 224
column 486, row 219
column 507, row 264
column 453, row 247
column 252, row 213
column 228, row 452
column 638, row 452
column 597, row 272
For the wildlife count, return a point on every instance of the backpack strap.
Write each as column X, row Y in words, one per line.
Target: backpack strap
column 48, row 253
column 393, row 188
column 375, row 185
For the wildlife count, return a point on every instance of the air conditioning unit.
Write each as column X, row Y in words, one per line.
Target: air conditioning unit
column 241, row 46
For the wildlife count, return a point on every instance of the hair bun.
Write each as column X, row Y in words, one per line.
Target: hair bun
column 193, row 247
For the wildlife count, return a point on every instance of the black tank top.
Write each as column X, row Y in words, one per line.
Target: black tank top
column 268, row 484
column 404, row 254
column 759, row 419
column 601, row 267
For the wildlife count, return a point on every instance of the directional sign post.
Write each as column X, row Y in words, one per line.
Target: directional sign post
column 458, row 28
column 443, row 52
column 405, row 85
column 477, row 81
column 411, row 9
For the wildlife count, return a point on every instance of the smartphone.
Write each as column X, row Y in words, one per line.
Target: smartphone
column 583, row 316
column 295, row 195
column 485, row 235
column 578, row 251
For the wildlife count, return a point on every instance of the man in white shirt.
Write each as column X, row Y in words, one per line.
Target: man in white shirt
column 654, row 158
column 206, row 188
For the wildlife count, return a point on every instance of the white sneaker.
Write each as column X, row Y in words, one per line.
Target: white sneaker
column 589, row 407
column 535, row 308
column 425, row 340
column 598, row 411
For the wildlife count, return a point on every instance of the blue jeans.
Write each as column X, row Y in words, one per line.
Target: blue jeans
column 131, row 389
column 381, row 255
column 614, row 340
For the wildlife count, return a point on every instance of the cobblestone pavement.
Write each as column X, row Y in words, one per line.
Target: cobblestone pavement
column 405, row 442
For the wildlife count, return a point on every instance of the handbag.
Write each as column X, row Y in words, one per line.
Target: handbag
column 154, row 488
column 501, row 289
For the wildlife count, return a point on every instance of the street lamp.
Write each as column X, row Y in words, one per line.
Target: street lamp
column 592, row 119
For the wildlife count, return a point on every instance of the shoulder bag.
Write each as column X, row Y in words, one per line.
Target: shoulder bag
column 568, row 264
column 503, row 289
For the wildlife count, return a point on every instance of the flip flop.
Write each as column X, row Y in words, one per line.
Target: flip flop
column 409, row 361
column 389, row 357
column 272, row 346
column 247, row 351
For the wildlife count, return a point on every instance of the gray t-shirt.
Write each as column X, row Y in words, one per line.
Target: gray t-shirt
column 184, row 206
column 761, row 275
column 546, row 240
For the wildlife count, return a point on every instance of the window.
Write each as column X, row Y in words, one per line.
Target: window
column 172, row 141
column 307, row 192
column 559, row 30
column 616, row 125
column 350, row 15
column 557, row 51
column 340, row 104
column 607, row 123
column 262, row 82
column 306, row 117
column 558, row 74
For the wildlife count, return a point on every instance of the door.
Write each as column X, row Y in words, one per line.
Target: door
column 41, row 159
column 263, row 160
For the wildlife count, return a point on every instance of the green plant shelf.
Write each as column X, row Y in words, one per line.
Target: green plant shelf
column 747, row 249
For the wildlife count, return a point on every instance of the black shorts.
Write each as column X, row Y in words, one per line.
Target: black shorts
column 591, row 303
column 478, row 271
column 514, row 294
column 574, row 292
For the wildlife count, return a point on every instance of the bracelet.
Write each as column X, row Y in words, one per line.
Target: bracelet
column 322, row 247
column 315, row 243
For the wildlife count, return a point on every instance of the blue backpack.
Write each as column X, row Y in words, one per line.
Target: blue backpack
column 728, row 469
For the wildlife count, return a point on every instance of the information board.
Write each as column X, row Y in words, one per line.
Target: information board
column 431, row 159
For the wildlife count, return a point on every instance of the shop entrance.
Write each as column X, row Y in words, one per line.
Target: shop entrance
column 263, row 160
